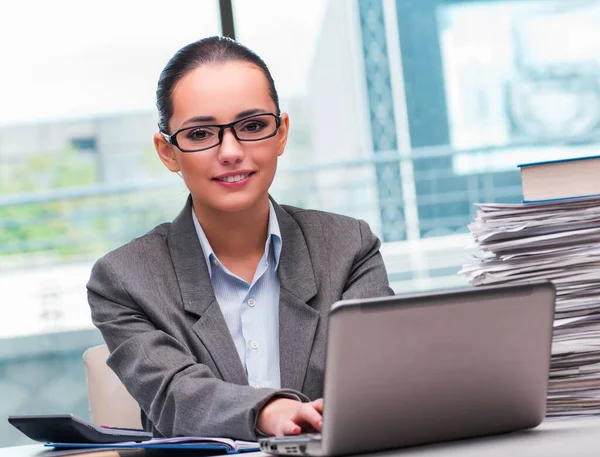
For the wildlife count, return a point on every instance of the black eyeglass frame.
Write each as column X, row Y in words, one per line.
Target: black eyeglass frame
column 172, row 139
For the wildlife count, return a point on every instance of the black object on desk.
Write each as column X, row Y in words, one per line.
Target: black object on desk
column 66, row 428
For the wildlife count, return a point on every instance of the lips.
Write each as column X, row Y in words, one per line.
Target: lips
column 231, row 178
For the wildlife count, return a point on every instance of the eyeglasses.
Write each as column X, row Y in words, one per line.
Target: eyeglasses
column 201, row 137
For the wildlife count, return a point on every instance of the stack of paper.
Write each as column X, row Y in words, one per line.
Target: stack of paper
column 559, row 241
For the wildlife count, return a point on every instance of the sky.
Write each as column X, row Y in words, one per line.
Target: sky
column 73, row 58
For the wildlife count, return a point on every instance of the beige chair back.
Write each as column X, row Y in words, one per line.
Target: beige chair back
column 110, row 403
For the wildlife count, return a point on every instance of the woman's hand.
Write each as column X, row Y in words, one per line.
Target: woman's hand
column 283, row 416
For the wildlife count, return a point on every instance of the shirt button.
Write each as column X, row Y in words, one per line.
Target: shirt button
column 251, row 303
column 259, row 386
column 254, row 344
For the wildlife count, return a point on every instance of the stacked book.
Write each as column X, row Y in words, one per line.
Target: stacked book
column 557, row 240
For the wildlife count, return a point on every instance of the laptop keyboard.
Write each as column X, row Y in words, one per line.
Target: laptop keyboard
column 302, row 437
column 312, row 436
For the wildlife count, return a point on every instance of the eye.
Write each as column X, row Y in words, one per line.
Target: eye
column 198, row 134
column 253, row 126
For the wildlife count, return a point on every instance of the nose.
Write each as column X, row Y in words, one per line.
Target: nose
column 230, row 149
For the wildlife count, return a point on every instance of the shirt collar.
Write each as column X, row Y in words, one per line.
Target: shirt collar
column 273, row 234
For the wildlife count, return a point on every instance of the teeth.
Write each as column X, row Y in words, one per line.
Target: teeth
column 234, row 178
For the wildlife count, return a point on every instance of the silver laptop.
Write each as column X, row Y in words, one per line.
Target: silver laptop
column 409, row 370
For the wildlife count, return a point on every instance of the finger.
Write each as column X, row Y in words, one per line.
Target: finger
column 289, row 427
column 318, row 405
column 308, row 414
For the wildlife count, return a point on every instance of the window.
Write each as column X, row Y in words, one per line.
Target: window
column 78, row 176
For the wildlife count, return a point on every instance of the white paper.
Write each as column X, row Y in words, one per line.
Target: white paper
column 198, row 440
column 557, row 241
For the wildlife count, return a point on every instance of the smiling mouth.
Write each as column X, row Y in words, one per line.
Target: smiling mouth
column 235, row 178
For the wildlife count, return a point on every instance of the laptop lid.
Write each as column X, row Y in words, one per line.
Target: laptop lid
column 417, row 369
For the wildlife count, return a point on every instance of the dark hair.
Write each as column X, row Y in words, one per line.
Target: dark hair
column 214, row 49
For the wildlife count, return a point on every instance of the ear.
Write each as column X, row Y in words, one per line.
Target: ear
column 166, row 152
column 282, row 133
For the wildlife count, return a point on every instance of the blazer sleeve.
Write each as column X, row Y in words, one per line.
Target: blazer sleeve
column 368, row 276
column 179, row 395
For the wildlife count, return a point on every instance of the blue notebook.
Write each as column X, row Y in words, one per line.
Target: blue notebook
column 211, row 445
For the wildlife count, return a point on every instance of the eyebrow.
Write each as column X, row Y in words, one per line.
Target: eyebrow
column 240, row 115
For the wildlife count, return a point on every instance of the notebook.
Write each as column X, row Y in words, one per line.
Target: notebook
column 218, row 445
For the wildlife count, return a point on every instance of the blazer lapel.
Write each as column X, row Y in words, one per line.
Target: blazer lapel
column 297, row 320
column 199, row 298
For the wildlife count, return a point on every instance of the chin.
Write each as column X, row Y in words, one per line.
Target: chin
column 236, row 202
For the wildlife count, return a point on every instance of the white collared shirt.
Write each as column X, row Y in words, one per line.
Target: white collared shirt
column 251, row 311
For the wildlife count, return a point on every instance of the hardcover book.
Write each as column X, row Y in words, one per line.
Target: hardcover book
column 560, row 179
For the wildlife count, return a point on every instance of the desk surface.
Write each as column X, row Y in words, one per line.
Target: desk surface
column 580, row 437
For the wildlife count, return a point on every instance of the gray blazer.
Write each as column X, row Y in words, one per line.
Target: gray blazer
column 169, row 344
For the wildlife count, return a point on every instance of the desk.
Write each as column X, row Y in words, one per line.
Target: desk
column 573, row 437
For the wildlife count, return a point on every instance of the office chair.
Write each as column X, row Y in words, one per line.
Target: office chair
column 109, row 402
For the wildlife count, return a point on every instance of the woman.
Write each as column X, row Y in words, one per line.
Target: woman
column 216, row 322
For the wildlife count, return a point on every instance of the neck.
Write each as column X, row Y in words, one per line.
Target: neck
column 238, row 234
